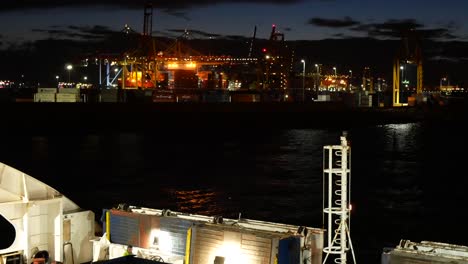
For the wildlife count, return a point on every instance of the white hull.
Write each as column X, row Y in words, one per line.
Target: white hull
column 43, row 219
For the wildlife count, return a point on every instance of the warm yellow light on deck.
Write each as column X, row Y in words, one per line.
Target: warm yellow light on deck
column 173, row 65
column 191, row 65
column 231, row 252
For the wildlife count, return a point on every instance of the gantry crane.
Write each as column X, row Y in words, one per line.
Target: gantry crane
column 142, row 60
column 408, row 54
column 275, row 63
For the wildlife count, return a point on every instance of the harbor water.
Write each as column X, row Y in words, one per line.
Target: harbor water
column 407, row 180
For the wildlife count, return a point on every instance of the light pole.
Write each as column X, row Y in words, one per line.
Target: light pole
column 401, row 77
column 350, row 80
column 336, row 84
column 303, row 80
column 442, row 79
column 69, row 68
column 317, row 81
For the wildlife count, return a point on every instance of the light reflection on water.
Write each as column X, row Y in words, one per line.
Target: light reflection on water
column 404, row 176
column 197, row 201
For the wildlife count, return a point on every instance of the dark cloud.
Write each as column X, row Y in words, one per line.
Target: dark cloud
column 194, row 33
column 235, row 37
column 96, row 32
column 198, row 34
column 390, row 29
column 339, row 35
column 161, row 33
column 99, row 32
column 162, row 4
column 178, row 13
column 51, row 31
column 395, row 29
column 451, row 25
column 333, row 23
column 437, row 33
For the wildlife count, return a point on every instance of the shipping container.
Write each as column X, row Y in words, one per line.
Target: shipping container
column 234, row 244
column 181, row 98
column 69, row 91
column 47, row 90
column 110, row 95
column 366, row 101
column 164, row 96
column 185, row 79
column 216, row 96
column 323, row 98
column 245, row 97
column 44, row 97
column 202, row 239
column 67, row 98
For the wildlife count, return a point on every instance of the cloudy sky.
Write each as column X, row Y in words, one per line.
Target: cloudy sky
column 297, row 19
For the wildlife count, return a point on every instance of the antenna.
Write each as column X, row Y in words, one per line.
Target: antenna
column 337, row 186
column 252, row 42
column 148, row 20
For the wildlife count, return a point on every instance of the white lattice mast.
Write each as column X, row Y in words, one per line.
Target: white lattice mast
column 337, row 202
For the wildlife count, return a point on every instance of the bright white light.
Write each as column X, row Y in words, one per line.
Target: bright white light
column 231, row 252
column 160, row 240
column 69, row 67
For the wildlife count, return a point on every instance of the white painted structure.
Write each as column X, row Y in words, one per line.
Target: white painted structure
column 337, row 203
column 425, row 252
column 44, row 219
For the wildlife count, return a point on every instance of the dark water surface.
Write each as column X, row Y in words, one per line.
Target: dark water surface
column 408, row 180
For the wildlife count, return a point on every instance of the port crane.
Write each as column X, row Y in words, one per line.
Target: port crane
column 177, row 65
column 276, row 61
column 409, row 54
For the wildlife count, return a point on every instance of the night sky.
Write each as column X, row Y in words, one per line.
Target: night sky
column 443, row 24
column 299, row 20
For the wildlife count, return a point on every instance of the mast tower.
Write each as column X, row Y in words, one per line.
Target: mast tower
column 337, row 205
